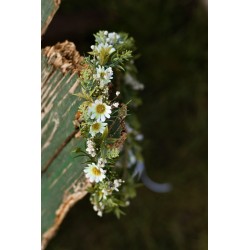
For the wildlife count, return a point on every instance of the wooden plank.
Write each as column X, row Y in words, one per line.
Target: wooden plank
column 62, row 179
column 48, row 10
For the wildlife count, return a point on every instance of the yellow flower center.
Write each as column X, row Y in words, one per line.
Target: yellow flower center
column 96, row 126
column 96, row 171
column 100, row 108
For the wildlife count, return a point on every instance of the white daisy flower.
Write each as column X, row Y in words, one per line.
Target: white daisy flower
column 97, row 127
column 94, row 173
column 117, row 93
column 99, row 111
column 103, row 75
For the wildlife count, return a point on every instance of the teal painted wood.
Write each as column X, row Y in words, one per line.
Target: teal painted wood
column 48, row 10
column 58, row 110
column 62, row 184
column 61, row 174
column 59, row 106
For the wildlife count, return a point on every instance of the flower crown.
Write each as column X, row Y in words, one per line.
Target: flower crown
column 111, row 149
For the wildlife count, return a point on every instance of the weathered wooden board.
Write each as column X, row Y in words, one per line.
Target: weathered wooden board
column 62, row 185
column 48, row 10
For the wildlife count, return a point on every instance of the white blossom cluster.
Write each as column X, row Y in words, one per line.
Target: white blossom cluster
column 104, row 193
column 103, row 75
column 91, row 148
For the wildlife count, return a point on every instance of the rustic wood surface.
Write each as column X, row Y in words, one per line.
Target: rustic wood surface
column 48, row 10
column 62, row 181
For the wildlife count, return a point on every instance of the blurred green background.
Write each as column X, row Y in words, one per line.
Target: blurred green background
column 171, row 37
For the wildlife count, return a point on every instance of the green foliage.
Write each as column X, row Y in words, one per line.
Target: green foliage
column 101, row 122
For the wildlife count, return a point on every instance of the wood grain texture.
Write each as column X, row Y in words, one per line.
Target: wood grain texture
column 48, row 10
column 62, row 179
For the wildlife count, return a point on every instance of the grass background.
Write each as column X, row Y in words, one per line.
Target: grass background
column 171, row 37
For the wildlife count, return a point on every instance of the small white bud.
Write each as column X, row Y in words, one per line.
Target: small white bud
column 115, row 104
column 99, row 213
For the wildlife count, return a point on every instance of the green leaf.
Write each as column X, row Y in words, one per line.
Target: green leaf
column 118, row 212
